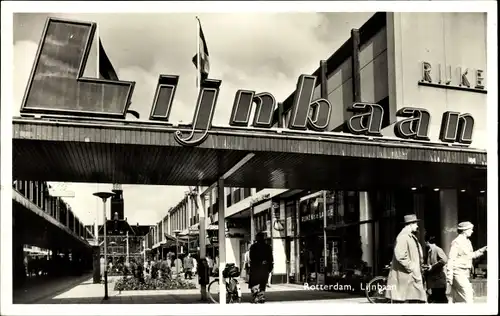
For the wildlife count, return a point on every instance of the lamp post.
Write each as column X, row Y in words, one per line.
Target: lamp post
column 104, row 196
column 177, row 232
column 128, row 253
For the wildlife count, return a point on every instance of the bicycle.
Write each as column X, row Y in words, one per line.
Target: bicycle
column 233, row 289
column 375, row 289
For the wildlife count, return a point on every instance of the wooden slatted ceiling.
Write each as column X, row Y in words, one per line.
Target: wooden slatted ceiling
column 296, row 171
column 140, row 154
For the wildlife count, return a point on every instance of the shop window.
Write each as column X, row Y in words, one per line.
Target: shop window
column 290, row 220
column 342, row 207
column 247, row 192
column 237, row 195
column 262, row 222
column 431, row 219
column 472, row 208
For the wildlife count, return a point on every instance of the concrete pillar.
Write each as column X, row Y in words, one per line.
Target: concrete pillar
column 67, row 218
column 278, row 244
column 58, row 209
column 18, row 267
column 419, row 210
column 252, row 225
column 297, row 241
column 448, row 204
column 222, row 238
column 366, row 230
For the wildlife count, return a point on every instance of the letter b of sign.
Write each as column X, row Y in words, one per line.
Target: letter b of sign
column 305, row 112
column 56, row 84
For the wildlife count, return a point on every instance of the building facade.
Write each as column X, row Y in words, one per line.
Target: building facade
column 433, row 62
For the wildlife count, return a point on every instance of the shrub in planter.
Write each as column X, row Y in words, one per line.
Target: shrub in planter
column 134, row 284
column 166, row 272
column 154, row 270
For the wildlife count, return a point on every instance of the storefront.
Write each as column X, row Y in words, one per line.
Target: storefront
column 357, row 234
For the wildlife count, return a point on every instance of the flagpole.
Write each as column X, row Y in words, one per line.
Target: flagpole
column 98, row 73
column 198, row 72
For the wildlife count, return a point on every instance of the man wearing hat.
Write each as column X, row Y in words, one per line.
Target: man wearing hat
column 460, row 264
column 405, row 283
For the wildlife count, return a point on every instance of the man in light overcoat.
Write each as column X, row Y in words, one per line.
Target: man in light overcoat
column 405, row 283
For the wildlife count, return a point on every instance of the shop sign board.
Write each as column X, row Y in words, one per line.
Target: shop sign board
column 65, row 91
column 457, row 78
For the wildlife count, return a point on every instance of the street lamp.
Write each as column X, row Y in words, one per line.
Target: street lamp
column 177, row 232
column 104, row 196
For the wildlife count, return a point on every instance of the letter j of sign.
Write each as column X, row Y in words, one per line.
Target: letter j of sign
column 203, row 114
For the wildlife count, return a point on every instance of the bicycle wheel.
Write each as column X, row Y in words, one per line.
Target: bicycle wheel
column 375, row 290
column 213, row 291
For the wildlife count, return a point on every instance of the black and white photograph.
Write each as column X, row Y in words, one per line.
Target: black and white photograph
column 273, row 155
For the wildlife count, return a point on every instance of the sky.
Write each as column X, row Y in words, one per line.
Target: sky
column 265, row 52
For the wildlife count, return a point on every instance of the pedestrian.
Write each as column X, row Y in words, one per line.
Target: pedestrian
column 178, row 266
column 188, row 267
column 169, row 262
column 195, row 264
column 269, row 278
column 210, row 263
column 435, row 274
column 405, row 283
column 460, row 264
column 261, row 264
column 215, row 270
column 102, row 264
column 246, row 263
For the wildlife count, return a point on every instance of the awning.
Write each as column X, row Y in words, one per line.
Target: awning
column 92, row 151
column 262, row 207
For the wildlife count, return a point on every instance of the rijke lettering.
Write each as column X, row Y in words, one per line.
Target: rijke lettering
column 73, row 94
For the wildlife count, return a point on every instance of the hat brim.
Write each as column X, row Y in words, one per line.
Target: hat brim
column 412, row 221
column 465, row 228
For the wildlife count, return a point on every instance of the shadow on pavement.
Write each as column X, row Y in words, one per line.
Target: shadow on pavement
column 274, row 296
column 45, row 287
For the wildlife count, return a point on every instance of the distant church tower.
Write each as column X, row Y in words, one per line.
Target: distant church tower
column 117, row 206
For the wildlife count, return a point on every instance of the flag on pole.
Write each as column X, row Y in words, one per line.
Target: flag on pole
column 202, row 55
column 106, row 69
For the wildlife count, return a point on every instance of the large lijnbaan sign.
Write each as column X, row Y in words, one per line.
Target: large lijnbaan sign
column 57, row 86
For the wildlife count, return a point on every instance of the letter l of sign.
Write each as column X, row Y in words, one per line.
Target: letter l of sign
column 56, row 84
column 203, row 114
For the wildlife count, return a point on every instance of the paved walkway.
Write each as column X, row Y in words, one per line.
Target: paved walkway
column 88, row 293
column 40, row 288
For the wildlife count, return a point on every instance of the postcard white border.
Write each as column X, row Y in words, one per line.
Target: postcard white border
column 7, row 308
